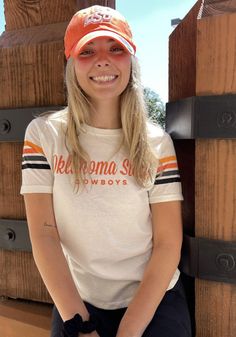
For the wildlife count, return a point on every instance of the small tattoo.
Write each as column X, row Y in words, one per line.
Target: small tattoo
column 48, row 225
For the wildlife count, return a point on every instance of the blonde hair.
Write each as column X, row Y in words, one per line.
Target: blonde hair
column 133, row 119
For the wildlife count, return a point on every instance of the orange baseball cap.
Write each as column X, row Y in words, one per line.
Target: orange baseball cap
column 93, row 22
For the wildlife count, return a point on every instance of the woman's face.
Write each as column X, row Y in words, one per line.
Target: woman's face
column 103, row 69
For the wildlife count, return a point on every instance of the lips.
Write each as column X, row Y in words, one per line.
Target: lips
column 103, row 78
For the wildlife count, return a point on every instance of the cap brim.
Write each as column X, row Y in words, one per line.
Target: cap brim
column 102, row 33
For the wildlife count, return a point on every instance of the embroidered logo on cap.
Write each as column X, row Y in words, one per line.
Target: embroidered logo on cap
column 97, row 17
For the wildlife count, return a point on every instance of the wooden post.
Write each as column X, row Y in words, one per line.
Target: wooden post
column 202, row 62
column 215, row 172
column 32, row 68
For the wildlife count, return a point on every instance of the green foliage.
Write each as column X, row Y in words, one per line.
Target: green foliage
column 155, row 106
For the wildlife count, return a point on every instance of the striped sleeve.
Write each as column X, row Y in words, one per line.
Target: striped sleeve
column 168, row 171
column 37, row 176
column 167, row 185
column 34, row 157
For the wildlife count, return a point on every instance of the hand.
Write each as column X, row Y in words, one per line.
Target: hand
column 92, row 334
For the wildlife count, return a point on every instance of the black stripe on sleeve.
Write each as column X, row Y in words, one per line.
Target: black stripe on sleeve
column 167, row 181
column 34, row 158
column 36, row 166
column 168, row 173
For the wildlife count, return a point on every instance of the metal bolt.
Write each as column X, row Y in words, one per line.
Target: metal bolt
column 225, row 262
column 10, row 235
column 5, row 126
column 226, row 119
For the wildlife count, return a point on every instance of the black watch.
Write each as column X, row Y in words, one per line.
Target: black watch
column 76, row 324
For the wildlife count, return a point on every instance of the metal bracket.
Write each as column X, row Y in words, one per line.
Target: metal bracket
column 202, row 117
column 14, row 235
column 13, row 122
column 207, row 259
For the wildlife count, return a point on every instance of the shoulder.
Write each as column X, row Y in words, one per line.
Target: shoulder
column 156, row 134
column 48, row 124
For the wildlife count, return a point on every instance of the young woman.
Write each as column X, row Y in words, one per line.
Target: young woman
column 102, row 194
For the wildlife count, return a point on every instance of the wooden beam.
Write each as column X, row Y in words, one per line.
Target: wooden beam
column 182, row 57
column 216, row 55
column 20, row 14
column 215, row 218
column 211, row 71
column 215, row 167
column 217, row 7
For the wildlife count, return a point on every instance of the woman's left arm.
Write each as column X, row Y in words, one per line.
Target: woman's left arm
column 167, row 241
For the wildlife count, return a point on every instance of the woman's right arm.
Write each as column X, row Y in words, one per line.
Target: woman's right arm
column 49, row 257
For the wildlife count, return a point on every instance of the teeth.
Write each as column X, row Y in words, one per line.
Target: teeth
column 104, row 78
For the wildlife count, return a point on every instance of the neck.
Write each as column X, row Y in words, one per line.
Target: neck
column 106, row 114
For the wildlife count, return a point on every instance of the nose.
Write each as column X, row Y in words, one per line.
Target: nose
column 102, row 63
column 102, row 60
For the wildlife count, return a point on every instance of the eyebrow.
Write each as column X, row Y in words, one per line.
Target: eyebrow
column 109, row 41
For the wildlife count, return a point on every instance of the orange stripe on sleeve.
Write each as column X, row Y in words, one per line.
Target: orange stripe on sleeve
column 167, row 166
column 33, row 146
column 166, row 159
column 28, row 151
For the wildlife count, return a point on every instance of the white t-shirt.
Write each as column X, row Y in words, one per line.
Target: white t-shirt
column 105, row 229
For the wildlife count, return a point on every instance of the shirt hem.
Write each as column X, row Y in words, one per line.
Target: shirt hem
column 36, row 189
column 106, row 306
column 124, row 303
column 165, row 199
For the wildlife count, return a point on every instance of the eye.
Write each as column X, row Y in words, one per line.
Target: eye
column 86, row 52
column 117, row 49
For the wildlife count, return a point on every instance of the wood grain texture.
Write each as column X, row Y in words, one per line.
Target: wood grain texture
column 215, row 189
column 34, row 35
column 21, row 14
column 203, row 62
column 215, row 173
column 215, row 309
column 182, row 57
column 22, row 318
column 217, row 7
column 11, row 203
column 216, row 55
column 215, row 218
column 87, row 3
column 32, row 75
column 19, row 277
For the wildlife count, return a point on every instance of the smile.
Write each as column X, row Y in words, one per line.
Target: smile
column 103, row 79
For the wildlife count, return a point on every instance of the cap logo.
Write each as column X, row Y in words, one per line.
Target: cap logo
column 97, row 17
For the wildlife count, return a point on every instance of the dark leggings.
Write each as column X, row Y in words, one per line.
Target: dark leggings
column 171, row 318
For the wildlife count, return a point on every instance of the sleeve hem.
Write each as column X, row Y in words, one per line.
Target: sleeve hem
column 166, row 198
column 36, row 189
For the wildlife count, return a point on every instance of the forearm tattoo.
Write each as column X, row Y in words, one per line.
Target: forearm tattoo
column 48, row 225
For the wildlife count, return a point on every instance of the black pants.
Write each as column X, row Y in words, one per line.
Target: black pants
column 171, row 318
